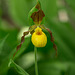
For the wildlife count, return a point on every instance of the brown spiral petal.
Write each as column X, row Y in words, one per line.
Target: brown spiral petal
column 52, row 40
column 22, row 41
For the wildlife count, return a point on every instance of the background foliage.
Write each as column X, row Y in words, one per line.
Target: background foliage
column 60, row 18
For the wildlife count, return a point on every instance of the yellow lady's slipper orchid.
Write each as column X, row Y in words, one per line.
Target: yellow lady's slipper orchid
column 39, row 39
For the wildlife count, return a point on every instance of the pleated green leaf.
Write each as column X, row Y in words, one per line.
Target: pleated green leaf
column 17, row 68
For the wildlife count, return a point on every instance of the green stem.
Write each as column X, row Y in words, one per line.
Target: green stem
column 36, row 68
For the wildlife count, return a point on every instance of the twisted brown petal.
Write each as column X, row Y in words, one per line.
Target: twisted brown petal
column 22, row 41
column 52, row 40
column 38, row 16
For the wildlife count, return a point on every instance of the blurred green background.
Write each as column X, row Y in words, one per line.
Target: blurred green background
column 60, row 19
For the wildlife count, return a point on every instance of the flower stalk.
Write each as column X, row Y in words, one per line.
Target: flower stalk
column 36, row 67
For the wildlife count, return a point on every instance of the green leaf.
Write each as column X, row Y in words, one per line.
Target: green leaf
column 2, row 43
column 36, row 15
column 7, row 45
column 49, row 7
column 30, row 13
column 17, row 67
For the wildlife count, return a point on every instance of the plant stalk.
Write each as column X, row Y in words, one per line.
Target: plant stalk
column 36, row 67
